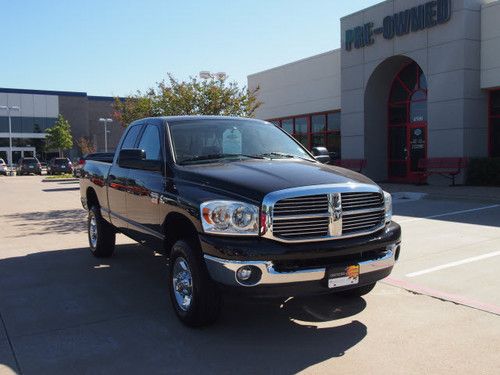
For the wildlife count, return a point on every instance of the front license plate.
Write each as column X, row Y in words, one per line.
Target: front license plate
column 31, row 167
column 343, row 276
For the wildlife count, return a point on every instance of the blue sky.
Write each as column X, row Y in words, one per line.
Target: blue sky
column 110, row 47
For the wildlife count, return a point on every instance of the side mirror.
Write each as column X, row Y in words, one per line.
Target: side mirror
column 135, row 158
column 131, row 158
column 321, row 154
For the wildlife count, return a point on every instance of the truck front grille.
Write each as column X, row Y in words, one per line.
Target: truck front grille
column 362, row 212
column 301, row 217
column 312, row 217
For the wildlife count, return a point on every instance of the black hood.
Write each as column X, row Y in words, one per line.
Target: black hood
column 256, row 178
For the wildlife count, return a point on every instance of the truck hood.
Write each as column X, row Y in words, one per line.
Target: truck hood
column 254, row 179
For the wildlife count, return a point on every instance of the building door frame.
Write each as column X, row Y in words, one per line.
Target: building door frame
column 407, row 111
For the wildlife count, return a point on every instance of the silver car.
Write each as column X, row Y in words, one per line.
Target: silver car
column 3, row 168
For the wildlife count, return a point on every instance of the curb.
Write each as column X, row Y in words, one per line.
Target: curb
column 59, row 179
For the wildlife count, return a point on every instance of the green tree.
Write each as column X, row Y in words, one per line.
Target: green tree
column 213, row 96
column 59, row 136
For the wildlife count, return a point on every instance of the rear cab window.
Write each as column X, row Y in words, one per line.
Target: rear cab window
column 131, row 137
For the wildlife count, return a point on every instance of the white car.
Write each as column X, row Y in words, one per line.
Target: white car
column 3, row 168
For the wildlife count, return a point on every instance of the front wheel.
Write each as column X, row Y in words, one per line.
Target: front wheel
column 102, row 235
column 194, row 296
column 357, row 292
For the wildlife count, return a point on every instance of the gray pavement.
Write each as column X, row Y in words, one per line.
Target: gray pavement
column 63, row 311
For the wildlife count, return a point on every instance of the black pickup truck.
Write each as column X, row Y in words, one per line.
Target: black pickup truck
column 238, row 205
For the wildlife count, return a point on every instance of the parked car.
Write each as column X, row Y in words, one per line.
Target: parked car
column 28, row 166
column 99, row 156
column 59, row 165
column 4, row 169
column 238, row 205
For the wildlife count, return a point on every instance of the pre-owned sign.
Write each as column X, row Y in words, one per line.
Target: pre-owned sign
column 412, row 20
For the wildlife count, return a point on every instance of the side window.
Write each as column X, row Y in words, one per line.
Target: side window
column 130, row 138
column 150, row 142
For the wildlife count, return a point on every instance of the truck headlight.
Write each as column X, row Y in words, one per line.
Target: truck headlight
column 230, row 218
column 388, row 207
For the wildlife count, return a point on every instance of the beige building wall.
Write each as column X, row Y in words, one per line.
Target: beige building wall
column 305, row 86
column 490, row 45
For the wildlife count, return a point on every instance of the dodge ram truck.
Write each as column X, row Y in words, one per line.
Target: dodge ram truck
column 238, row 205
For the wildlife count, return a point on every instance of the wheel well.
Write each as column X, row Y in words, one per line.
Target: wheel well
column 92, row 198
column 178, row 226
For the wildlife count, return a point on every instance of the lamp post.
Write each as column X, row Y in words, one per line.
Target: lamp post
column 105, row 121
column 9, row 109
column 207, row 75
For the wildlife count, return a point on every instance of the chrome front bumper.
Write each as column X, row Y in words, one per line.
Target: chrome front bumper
column 224, row 271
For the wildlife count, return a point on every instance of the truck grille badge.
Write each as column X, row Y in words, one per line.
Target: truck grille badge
column 335, row 214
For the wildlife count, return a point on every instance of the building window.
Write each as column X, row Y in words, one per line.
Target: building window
column 494, row 120
column 314, row 130
column 26, row 124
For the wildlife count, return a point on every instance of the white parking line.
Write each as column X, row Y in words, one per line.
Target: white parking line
column 454, row 264
column 449, row 213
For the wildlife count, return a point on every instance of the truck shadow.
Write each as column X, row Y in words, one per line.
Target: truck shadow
column 54, row 221
column 65, row 308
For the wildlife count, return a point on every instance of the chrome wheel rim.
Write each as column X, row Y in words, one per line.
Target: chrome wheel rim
column 93, row 231
column 182, row 283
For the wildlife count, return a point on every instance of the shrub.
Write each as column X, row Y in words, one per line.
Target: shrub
column 484, row 171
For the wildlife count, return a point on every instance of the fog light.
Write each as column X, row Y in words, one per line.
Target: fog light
column 244, row 273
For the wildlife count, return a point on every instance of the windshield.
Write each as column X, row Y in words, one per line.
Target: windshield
column 60, row 161
column 202, row 141
column 29, row 161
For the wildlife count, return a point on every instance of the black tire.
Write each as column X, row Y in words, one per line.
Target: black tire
column 357, row 292
column 205, row 304
column 101, row 234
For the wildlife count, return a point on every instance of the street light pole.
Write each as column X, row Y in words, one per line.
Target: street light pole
column 9, row 109
column 207, row 75
column 105, row 121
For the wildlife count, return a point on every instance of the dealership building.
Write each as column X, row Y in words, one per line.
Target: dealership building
column 413, row 79
column 33, row 111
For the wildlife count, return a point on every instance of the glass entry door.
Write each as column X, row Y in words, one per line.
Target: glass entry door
column 16, row 155
column 398, row 151
column 407, row 124
column 417, row 147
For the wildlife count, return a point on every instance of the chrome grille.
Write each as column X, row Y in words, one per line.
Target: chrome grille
column 323, row 212
column 299, row 217
column 356, row 201
column 362, row 212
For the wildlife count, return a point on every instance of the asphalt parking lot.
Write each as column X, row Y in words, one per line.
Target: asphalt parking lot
column 63, row 311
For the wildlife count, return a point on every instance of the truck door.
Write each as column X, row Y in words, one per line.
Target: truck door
column 117, row 181
column 145, row 187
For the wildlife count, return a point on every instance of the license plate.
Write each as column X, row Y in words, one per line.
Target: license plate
column 343, row 276
column 32, row 166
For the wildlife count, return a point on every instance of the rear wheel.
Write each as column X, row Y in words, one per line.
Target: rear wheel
column 194, row 296
column 357, row 292
column 102, row 235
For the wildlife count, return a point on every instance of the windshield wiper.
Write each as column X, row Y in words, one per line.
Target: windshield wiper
column 219, row 156
column 285, row 155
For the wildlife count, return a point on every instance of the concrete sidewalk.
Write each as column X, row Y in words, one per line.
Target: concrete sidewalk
column 476, row 193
